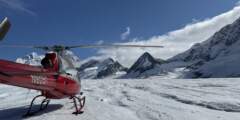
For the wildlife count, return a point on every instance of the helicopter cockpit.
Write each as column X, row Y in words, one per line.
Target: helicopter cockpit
column 50, row 61
column 60, row 62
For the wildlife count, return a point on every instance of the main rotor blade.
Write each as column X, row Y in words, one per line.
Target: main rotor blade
column 114, row 46
column 17, row 46
column 4, row 28
column 61, row 47
column 26, row 46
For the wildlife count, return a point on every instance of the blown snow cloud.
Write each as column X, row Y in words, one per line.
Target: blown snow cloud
column 175, row 41
column 238, row 3
column 126, row 33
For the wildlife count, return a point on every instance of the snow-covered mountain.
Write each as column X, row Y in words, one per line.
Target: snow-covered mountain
column 96, row 69
column 221, row 43
column 140, row 69
column 73, row 58
column 216, row 57
column 31, row 59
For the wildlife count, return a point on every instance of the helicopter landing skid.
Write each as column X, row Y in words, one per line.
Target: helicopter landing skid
column 44, row 105
column 81, row 101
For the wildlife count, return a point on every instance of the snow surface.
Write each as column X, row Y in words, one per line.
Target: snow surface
column 146, row 99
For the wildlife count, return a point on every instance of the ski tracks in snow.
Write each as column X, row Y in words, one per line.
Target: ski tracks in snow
column 170, row 99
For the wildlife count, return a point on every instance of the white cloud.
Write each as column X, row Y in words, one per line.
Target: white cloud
column 126, row 33
column 195, row 20
column 17, row 5
column 238, row 3
column 175, row 41
column 99, row 42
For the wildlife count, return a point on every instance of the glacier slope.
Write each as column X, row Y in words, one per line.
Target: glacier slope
column 147, row 99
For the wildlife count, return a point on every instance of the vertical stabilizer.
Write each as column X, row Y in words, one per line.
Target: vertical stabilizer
column 4, row 27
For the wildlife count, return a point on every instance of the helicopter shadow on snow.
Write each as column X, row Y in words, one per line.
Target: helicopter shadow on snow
column 18, row 112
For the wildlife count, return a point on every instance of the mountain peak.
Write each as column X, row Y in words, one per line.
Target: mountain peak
column 145, row 62
column 100, row 68
column 146, row 54
column 108, row 60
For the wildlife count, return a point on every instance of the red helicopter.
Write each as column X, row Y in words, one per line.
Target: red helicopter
column 55, row 79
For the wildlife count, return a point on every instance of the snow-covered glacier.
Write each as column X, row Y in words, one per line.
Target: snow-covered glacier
column 146, row 99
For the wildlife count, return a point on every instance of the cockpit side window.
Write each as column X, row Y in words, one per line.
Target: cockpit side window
column 47, row 63
column 50, row 61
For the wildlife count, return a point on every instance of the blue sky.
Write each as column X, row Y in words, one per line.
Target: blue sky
column 48, row 22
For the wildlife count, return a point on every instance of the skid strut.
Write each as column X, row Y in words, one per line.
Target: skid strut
column 81, row 101
column 44, row 105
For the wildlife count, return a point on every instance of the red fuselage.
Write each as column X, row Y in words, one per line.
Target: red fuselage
column 52, row 84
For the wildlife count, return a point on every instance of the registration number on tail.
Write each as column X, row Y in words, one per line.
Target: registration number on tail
column 40, row 80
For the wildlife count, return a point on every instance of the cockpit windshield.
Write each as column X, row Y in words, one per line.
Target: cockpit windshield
column 66, row 63
column 67, row 67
